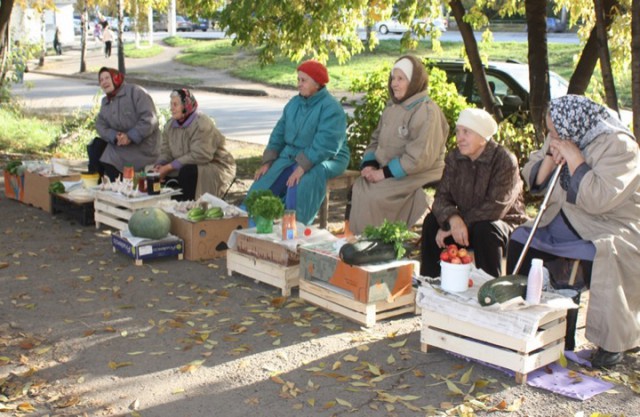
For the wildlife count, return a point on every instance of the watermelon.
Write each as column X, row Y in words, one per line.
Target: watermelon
column 150, row 223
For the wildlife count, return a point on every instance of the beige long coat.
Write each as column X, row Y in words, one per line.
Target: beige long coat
column 201, row 144
column 412, row 136
column 607, row 213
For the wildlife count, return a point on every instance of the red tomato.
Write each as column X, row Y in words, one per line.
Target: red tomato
column 307, row 232
column 470, row 283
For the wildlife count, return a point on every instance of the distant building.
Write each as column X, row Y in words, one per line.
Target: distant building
column 26, row 23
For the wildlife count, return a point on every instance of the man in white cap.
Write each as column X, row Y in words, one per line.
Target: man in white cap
column 479, row 200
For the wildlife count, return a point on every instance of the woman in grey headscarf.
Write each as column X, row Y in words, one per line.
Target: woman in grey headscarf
column 593, row 216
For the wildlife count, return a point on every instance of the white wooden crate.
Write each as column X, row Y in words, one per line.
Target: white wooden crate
column 279, row 276
column 113, row 209
column 519, row 354
column 365, row 314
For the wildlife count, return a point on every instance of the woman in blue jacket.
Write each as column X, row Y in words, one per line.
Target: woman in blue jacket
column 307, row 147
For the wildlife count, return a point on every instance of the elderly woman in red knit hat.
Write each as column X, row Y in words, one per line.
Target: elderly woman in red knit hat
column 307, row 146
column 127, row 125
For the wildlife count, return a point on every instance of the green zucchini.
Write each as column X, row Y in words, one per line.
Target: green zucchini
column 502, row 289
column 366, row 252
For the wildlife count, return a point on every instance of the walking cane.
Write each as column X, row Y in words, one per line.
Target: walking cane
column 543, row 207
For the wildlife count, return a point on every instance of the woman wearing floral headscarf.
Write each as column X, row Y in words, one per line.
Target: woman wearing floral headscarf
column 405, row 153
column 127, row 126
column 193, row 150
column 594, row 216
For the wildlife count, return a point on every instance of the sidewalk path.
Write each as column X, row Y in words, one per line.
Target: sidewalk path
column 161, row 71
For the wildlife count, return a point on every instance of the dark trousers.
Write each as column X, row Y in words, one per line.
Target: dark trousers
column 94, row 151
column 57, row 46
column 487, row 239
column 107, row 49
column 187, row 181
column 513, row 253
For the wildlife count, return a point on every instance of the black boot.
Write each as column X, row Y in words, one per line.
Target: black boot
column 605, row 359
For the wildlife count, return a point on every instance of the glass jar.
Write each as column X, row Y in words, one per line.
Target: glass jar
column 128, row 172
column 289, row 229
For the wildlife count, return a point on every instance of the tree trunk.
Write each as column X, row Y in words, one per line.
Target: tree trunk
column 136, row 17
column 43, row 44
column 477, row 69
column 120, row 42
column 635, row 66
column 5, row 16
column 536, row 12
column 605, row 58
column 5, row 40
column 83, row 38
column 581, row 76
column 150, row 23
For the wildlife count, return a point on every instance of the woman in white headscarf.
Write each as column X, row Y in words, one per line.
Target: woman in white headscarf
column 594, row 216
column 406, row 152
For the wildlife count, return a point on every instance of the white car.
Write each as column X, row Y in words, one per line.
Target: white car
column 394, row 26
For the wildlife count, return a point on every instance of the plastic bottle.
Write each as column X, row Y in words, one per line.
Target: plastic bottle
column 535, row 281
column 289, row 228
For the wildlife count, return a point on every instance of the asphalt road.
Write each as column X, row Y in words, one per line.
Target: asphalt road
column 248, row 119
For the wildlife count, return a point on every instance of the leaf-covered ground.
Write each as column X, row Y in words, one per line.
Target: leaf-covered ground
column 84, row 332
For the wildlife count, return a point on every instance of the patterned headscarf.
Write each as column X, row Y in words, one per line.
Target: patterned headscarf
column 116, row 77
column 189, row 103
column 580, row 120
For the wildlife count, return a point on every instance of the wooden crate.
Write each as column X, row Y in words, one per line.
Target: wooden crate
column 279, row 276
column 362, row 313
column 521, row 355
column 113, row 209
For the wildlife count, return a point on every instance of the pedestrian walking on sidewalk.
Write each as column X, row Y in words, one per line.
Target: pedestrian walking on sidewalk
column 56, row 42
column 107, row 37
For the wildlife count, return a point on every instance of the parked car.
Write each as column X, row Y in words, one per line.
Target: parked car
column 201, row 24
column 394, row 26
column 160, row 23
column 127, row 24
column 183, row 25
column 509, row 80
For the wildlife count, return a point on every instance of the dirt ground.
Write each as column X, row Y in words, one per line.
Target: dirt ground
column 85, row 332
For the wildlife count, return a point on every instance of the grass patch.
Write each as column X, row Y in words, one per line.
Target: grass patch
column 145, row 50
column 24, row 134
column 179, row 42
column 243, row 62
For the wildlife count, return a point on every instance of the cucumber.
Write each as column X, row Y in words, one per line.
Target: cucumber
column 502, row 289
column 367, row 252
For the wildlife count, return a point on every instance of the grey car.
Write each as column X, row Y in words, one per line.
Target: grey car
column 508, row 80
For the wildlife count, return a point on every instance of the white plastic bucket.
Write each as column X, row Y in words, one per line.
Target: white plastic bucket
column 454, row 277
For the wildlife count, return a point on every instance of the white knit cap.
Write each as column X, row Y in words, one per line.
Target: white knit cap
column 479, row 121
column 405, row 65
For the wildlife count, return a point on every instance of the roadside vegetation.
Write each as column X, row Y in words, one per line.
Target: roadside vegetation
column 144, row 51
column 244, row 62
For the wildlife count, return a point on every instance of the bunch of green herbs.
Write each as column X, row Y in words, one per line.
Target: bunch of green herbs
column 395, row 233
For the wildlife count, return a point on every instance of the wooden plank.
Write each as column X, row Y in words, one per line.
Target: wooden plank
column 494, row 355
column 366, row 314
column 279, row 276
column 103, row 218
column 441, row 321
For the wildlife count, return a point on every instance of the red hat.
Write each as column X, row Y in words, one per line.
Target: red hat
column 315, row 70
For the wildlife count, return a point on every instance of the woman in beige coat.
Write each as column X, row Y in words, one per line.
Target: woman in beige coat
column 593, row 215
column 193, row 150
column 406, row 152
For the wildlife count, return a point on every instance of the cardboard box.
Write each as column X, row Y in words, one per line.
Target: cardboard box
column 14, row 186
column 169, row 246
column 268, row 250
column 369, row 283
column 36, row 189
column 206, row 239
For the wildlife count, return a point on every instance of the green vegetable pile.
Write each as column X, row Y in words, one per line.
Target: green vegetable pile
column 395, row 233
column 262, row 203
column 13, row 167
column 198, row 214
column 56, row 188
